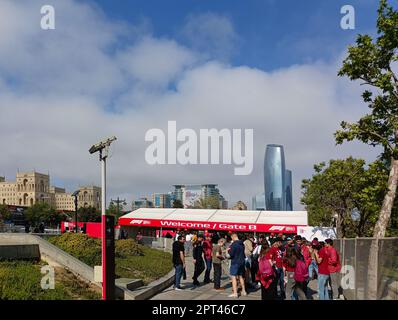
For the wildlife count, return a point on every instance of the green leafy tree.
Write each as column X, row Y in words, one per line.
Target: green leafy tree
column 212, row 202
column 371, row 62
column 177, row 204
column 115, row 210
column 5, row 213
column 88, row 214
column 40, row 212
column 336, row 189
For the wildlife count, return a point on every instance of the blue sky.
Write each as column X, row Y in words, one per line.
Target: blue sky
column 271, row 34
column 118, row 67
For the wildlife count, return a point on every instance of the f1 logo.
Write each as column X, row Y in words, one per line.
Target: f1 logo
column 136, row 222
column 277, row 228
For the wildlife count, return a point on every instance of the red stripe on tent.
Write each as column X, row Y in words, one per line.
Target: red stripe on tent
column 206, row 225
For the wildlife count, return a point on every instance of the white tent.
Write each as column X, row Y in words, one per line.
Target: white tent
column 211, row 219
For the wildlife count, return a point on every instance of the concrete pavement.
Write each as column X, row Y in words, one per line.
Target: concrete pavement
column 207, row 292
column 204, row 291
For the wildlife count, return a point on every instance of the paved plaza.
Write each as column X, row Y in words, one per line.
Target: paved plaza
column 207, row 292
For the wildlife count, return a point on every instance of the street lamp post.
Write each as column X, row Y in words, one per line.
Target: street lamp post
column 103, row 149
column 75, row 195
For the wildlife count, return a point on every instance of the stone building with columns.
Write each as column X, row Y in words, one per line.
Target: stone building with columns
column 33, row 187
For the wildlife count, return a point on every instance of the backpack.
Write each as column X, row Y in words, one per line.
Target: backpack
column 300, row 271
column 265, row 272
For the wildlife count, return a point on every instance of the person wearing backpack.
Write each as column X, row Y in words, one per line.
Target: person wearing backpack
column 266, row 274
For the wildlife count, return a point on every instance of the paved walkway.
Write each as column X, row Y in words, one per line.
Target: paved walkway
column 206, row 291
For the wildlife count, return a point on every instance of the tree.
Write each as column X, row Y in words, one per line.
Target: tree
column 177, row 204
column 240, row 205
column 40, row 212
column 88, row 214
column 115, row 210
column 5, row 213
column 212, row 202
column 371, row 62
column 337, row 189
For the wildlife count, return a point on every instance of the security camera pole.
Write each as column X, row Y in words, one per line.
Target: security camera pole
column 103, row 148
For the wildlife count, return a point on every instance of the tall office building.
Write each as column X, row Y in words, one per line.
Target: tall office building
column 274, row 178
column 161, row 200
column 277, row 180
column 190, row 194
column 289, row 195
column 142, row 203
column 258, row 202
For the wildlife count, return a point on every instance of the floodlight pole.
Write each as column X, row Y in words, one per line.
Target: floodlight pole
column 103, row 148
column 103, row 157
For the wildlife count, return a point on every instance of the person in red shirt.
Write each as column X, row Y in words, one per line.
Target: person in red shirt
column 275, row 255
column 289, row 273
column 208, row 255
column 334, row 268
column 321, row 257
column 305, row 251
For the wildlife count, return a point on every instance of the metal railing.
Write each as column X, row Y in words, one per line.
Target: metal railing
column 371, row 265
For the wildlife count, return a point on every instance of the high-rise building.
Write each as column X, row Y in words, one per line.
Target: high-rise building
column 274, row 178
column 277, row 180
column 161, row 200
column 258, row 202
column 289, row 195
column 142, row 203
column 190, row 194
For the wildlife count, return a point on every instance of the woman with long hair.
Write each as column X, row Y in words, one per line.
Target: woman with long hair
column 266, row 274
column 297, row 274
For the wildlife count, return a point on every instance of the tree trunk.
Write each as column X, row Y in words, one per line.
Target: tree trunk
column 388, row 202
column 380, row 230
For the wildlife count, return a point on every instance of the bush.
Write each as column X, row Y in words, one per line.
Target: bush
column 88, row 249
column 126, row 248
column 21, row 281
column 132, row 259
column 81, row 246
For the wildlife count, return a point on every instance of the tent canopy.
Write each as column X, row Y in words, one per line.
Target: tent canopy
column 220, row 220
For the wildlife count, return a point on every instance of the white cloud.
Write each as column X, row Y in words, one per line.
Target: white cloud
column 57, row 90
column 211, row 34
column 155, row 62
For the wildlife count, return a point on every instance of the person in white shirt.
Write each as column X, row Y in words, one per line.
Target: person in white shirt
column 188, row 243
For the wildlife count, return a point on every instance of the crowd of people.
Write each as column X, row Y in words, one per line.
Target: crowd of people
column 279, row 265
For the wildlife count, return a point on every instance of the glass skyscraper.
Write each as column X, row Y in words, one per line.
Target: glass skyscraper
column 258, row 202
column 277, row 180
column 274, row 178
column 289, row 195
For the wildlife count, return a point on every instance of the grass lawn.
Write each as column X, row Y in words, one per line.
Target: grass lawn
column 132, row 260
column 20, row 280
